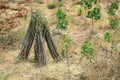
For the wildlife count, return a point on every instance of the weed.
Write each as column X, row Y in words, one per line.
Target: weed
column 51, row 6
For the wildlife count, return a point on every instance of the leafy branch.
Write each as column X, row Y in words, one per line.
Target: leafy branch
column 113, row 8
column 87, row 49
column 108, row 37
column 95, row 14
column 62, row 22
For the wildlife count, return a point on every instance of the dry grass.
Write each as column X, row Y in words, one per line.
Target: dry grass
column 101, row 67
column 27, row 70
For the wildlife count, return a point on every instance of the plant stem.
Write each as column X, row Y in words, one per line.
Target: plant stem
column 68, row 65
column 85, row 16
column 76, row 65
column 92, row 25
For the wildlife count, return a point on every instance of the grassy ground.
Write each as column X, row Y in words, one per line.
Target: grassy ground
column 104, row 66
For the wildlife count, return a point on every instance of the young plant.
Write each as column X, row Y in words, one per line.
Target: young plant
column 67, row 43
column 51, row 6
column 114, row 23
column 95, row 14
column 87, row 49
column 113, row 8
column 111, row 11
column 114, row 5
column 108, row 37
column 87, row 4
column 62, row 22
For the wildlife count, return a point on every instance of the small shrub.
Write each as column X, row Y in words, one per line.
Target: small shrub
column 114, row 23
column 67, row 43
column 108, row 37
column 87, row 49
column 86, row 3
column 62, row 22
column 51, row 6
column 111, row 11
column 94, row 14
column 67, row 40
column 113, row 7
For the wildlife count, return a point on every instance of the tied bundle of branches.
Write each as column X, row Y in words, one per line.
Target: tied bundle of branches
column 38, row 30
column 39, row 23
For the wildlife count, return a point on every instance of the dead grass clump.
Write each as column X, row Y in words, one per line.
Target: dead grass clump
column 99, row 72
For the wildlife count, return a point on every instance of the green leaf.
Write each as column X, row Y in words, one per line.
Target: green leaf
column 108, row 37
column 114, row 5
column 67, row 40
column 114, row 23
column 95, row 1
column 87, row 3
column 90, row 14
column 111, row 11
column 62, row 22
column 87, row 49
column 94, row 14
